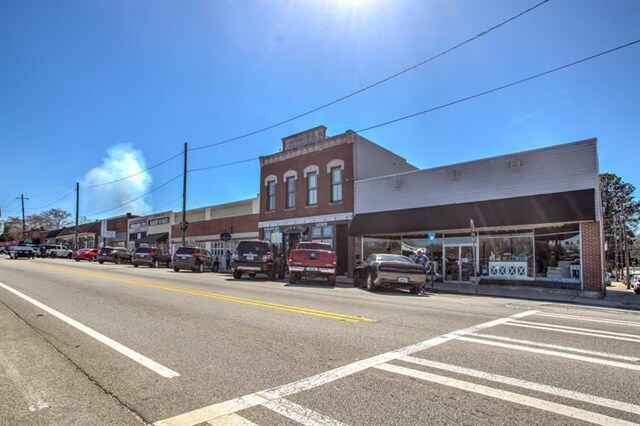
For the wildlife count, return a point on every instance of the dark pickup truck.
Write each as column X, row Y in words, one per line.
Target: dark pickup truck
column 312, row 259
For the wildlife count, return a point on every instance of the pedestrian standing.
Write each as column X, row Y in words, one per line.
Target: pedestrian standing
column 227, row 259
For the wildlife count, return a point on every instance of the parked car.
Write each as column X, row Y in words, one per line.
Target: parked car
column 636, row 285
column 89, row 254
column 311, row 259
column 21, row 251
column 116, row 255
column 57, row 251
column 150, row 256
column 257, row 257
column 390, row 271
column 192, row 258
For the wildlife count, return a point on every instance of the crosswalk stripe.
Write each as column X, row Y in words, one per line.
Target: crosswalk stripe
column 576, row 317
column 582, row 333
column 551, row 390
column 589, row 330
column 231, row 420
column 562, row 348
column 300, row 414
column 552, row 353
column 516, row 398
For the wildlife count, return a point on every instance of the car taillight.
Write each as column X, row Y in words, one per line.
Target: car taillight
column 235, row 256
column 196, row 254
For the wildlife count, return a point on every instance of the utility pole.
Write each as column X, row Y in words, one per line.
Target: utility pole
column 77, row 212
column 183, row 226
column 24, row 226
column 626, row 248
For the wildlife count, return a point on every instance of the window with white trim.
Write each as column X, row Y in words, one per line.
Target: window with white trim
column 312, row 188
column 336, row 184
column 291, row 192
column 271, row 195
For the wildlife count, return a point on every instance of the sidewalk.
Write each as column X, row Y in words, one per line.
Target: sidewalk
column 617, row 295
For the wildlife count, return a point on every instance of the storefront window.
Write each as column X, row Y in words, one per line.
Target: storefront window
column 392, row 245
column 558, row 253
column 322, row 233
column 506, row 255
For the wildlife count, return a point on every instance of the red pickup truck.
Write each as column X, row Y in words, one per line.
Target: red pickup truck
column 312, row 259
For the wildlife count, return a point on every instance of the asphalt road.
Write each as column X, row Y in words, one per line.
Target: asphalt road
column 82, row 343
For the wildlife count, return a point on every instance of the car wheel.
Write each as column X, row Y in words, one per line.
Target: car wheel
column 293, row 277
column 69, row 256
column 116, row 260
column 53, row 255
column 176, row 269
column 77, row 260
column 370, row 285
column 237, row 275
column 135, row 265
column 331, row 279
column 154, row 264
column 100, row 262
column 272, row 274
column 415, row 290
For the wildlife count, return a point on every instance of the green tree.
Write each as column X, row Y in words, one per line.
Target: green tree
column 621, row 216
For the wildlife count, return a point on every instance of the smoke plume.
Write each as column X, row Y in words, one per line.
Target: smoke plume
column 121, row 161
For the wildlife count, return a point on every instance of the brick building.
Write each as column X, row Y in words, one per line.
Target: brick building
column 307, row 189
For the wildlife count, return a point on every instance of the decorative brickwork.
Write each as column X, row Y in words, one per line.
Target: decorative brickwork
column 592, row 273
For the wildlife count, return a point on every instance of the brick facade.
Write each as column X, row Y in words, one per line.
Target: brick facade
column 298, row 163
column 235, row 225
column 592, row 273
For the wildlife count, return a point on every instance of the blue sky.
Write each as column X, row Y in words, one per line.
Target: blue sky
column 90, row 91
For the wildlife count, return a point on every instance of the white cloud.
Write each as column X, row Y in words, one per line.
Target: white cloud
column 122, row 160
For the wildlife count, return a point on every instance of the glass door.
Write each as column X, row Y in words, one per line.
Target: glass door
column 459, row 263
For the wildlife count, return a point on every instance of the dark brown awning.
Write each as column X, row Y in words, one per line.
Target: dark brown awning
column 572, row 206
column 153, row 238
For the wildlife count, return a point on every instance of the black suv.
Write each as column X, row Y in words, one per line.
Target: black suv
column 193, row 258
column 150, row 256
column 114, row 254
column 257, row 257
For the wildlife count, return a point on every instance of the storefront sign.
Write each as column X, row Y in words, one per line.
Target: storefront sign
column 294, row 229
column 276, row 237
column 159, row 221
column 137, row 226
column 225, row 236
column 321, row 224
column 431, row 237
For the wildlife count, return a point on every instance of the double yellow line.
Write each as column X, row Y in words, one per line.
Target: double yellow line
column 216, row 296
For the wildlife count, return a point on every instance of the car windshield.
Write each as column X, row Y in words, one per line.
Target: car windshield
column 253, row 247
column 186, row 250
column 392, row 258
column 144, row 250
column 315, row 246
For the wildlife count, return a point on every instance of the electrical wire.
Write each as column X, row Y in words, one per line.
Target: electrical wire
column 137, row 198
column 52, row 203
column 133, row 175
column 217, row 166
column 372, row 85
column 486, row 92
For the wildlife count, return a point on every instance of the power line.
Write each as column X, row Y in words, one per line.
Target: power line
column 50, row 204
column 370, row 86
column 477, row 95
column 133, row 175
column 137, row 198
column 217, row 166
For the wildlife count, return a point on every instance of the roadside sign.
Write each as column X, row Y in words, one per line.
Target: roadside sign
column 225, row 236
column 191, row 243
column 431, row 237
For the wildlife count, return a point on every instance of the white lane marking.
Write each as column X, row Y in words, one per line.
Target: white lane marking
column 551, row 390
column 562, row 348
column 576, row 317
column 32, row 397
column 582, row 333
column 130, row 353
column 231, row 420
column 553, row 353
column 516, row 398
column 588, row 330
column 251, row 400
column 300, row 414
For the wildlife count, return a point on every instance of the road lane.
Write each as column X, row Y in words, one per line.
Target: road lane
column 225, row 350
